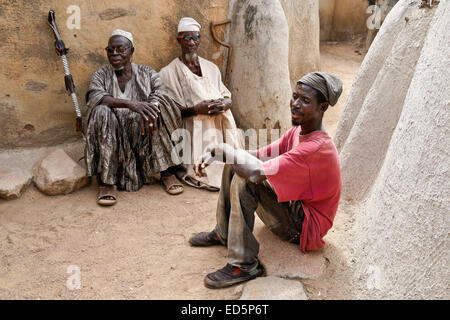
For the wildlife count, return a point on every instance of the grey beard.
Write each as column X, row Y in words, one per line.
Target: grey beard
column 191, row 57
column 119, row 69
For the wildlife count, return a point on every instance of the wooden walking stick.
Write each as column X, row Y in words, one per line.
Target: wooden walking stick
column 230, row 48
column 61, row 50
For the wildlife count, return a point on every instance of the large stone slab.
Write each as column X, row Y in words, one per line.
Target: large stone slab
column 13, row 182
column 59, row 174
column 286, row 260
column 273, row 288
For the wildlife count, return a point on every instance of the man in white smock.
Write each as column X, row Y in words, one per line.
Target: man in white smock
column 196, row 85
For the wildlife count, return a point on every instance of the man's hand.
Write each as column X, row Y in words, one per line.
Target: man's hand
column 213, row 106
column 244, row 164
column 205, row 160
column 218, row 152
column 149, row 112
column 219, row 106
column 203, row 107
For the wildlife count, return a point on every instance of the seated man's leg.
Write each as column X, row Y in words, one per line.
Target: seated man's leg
column 224, row 204
column 284, row 219
column 235, row 220
column 156, row 152
column 238, row 200
column 220, row 234
column 102, row 154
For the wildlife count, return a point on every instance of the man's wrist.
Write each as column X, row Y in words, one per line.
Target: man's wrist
column 224, row 150
column 227, row 102
column 187, row 112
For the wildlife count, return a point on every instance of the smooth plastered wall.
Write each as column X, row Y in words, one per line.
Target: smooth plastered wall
column 342, row 19
column 35, row 109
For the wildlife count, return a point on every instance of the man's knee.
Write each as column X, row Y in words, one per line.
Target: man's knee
column 101, row 110
column 228, row 168
column 101, row 114
column 243, row 185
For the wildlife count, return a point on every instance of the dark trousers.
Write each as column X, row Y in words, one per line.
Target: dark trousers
column 238, row 201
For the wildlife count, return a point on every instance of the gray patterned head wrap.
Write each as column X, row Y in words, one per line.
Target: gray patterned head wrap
column 329, row 85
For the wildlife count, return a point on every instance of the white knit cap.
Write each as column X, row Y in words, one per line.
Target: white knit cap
column 123, row 33
column 188, row 24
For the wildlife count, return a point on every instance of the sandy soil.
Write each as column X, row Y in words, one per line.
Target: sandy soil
column 138, row 248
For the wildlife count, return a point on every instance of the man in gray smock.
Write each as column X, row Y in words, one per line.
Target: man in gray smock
column 128, row 125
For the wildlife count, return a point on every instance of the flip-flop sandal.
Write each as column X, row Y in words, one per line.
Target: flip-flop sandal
column 197, row 184
column 171, row 181
column 105, row 192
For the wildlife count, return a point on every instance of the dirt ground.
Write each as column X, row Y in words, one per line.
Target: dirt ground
column 138, row 249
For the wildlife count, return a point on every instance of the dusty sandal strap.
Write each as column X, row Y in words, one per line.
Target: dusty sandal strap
column 107, row 191
column 170, row 182
column 198, row 184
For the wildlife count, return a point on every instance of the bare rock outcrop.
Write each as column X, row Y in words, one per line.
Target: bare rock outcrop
column 13, row 182
column 59, row 174
column 284, row 259
column 273, row 288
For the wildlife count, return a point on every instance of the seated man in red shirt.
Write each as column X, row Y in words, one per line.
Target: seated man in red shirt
column 294, row 185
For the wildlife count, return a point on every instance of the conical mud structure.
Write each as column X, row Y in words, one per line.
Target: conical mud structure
column 304, row 37
column 268, row 38
column 260, row 84
column 394, row 143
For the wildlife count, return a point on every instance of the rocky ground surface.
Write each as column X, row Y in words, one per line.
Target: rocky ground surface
column 138, row 248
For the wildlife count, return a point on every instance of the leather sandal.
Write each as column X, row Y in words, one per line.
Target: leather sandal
column 105, row 192
column 170, row 182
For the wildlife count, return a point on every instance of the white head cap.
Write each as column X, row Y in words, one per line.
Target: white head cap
column 123, row 33
column 188, row 24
